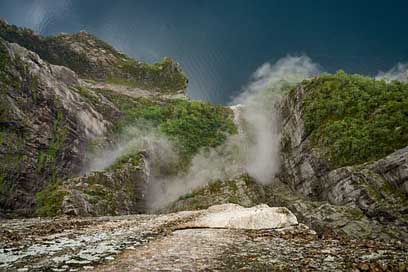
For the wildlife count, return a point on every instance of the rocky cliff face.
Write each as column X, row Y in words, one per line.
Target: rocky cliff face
column 115, row 192
column 363, row 200
column 377, row 189
column 44, row 125
column 50, row 116
column 66, row 99
column 94, row 59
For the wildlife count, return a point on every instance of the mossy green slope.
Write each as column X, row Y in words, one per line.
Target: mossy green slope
column 353, row 119
column 191, row 125
column 92, row 58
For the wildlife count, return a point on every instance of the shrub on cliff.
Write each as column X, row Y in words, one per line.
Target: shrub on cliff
column 354, row 119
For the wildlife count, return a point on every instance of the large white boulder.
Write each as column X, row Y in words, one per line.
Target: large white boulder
column 236, row 217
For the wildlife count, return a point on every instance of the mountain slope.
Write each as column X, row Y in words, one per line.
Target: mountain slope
column 94, row 136
column 55, row 121
column 94, row 59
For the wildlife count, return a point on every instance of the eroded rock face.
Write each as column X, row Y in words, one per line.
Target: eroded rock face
column 377, row 189
column 45, row 125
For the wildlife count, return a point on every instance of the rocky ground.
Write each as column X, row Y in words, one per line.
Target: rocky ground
column 189, row 241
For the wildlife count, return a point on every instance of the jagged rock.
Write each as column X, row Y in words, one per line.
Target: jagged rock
column 109, row 192
column 233, row 216
column 45, row 126
column 94, row 59
column 377, row 189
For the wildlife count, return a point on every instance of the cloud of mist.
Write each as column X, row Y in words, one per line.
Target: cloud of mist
column 399, row 73
column 253, row 150
column 218, row 163
column 134, row 139
column 260, row 116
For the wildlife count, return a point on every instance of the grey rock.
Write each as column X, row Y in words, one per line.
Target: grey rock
column 49, row 125
column 377, row 189
column 109, row 192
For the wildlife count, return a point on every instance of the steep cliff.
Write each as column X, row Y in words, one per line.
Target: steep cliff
column 94, row 59
column 56, row 121
column 344, row 160
column 341, row 136
column 44, row 125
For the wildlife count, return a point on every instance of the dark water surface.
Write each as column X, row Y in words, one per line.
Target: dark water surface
column 219, row 43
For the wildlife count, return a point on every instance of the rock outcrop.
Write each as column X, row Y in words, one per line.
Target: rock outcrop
column 241, row 190
column 44, row 123
column 233, row 216
column 377, row 189
column 94, row 59
column 110, row 192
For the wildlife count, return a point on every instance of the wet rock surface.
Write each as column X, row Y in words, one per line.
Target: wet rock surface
column 68, row 244
column 172, row 243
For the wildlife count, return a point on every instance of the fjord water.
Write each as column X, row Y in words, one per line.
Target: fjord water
column 220, row 43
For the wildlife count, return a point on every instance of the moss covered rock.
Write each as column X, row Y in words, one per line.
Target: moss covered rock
column 119, row 190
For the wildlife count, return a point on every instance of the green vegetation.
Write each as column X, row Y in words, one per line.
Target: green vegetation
column 50, row 199
column 165, row 76
column 353, row 119
column 190, row 124
column 51, row 49
column 132, row 158
column 47, row 160
column 4, row 59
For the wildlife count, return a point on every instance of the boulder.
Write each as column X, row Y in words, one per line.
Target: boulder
column 233, row 216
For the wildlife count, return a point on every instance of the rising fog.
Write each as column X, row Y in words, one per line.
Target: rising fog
column 399, row 73
column 253, row 150
column 259, row 113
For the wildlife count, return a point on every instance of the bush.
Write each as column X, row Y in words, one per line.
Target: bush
column 49, row 200
column 354, row 119
column 190, row 124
